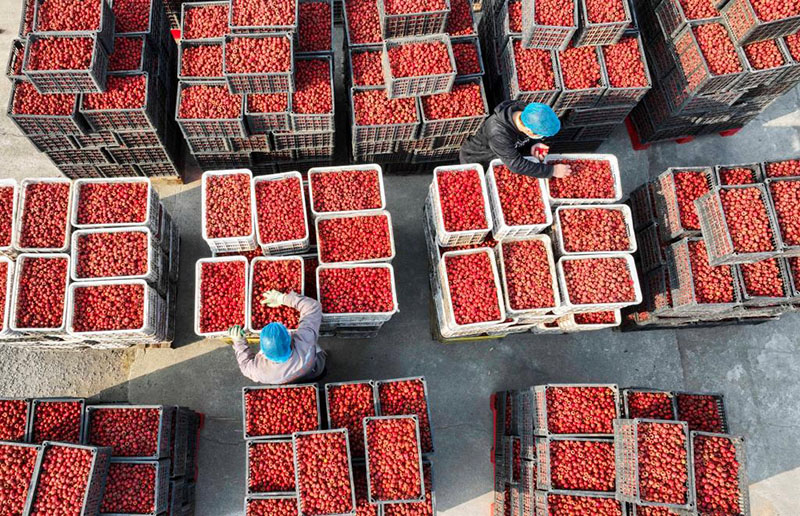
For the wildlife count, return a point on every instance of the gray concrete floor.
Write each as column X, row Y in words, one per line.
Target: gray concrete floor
column 757, row 367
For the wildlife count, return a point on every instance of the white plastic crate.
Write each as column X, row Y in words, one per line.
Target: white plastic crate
column 568, row 306
column 12, row 319
column 529, row 315
column 558, row 239
column 198, row 301
column 154, row 269
column 5, row 331
column 229, row 244
column 5, row 183
column 290, row 246
column 251, row 285
column 365, row 318
column 457, row 238
column 154, row 310
column 340, row 169
column 602, row 157
column 568, row 323
column 21, row 210
column 151, row 219
column 501, row 229
column 448, row 301
column 356, row 214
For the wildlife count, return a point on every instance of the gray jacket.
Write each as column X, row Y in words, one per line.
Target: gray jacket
column 307, row 360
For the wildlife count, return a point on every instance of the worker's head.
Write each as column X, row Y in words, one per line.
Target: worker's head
column 539, row 120
column 276, row 342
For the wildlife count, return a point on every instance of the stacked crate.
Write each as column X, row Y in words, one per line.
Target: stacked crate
column 697, row 93
column 108, row 116
column 591, row 73
column 64, row 235
column 397, row 120
column 582, row 449
column 535, row 280
column 697, row 268
column 269, row 71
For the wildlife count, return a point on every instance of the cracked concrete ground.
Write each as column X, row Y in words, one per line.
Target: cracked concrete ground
column 757, row 367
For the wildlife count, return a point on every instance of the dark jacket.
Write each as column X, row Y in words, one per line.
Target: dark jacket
column 499, row 138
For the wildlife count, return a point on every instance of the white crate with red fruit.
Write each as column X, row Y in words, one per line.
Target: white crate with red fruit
column 357, row 294
column 528, row 275
column 281, row 216
column 346, row 189
column 39, row 299
column 519, row 205
column 8, row 211
column 227, row 211
column 6, row 286
column 43, row 217
column 355, row 238
column 221, row 286
column 585, row 229
column 598, row 282
column 116, row 253
column 458, row 196
column 470, row 285
column 114, row 202
column 595, row 179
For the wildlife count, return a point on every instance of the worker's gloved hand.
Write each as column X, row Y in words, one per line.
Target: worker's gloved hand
column 272, row 299
column 235, row 332
column 539, row 151
column 562, row 170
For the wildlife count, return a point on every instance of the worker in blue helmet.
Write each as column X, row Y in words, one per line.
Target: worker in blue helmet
column 283, row 358
column 514, row 133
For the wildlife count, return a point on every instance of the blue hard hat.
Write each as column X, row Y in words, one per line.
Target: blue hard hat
column 276, row 342
column 540, row 119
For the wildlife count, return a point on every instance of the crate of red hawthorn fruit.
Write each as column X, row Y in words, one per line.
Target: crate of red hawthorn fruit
column 765, row 282
column 528, row 275
column 8, row 213
column 266, row 112
column 323, row 473
column 364, row 68
column 250, row 17
column 220, row 295
column 356, row 294
column 268, row 505
column 263, row 408
column 782, row 169
column 595, row 179
column 581, row 76
column 200, row 61
column 626, row 70
column 550, row 27
column 530, row 75
column 209, row 109
column 746, row 174
column 270, row 468
column 312, row 98
column 136, row 488
column 590, row 321
column 16, row 414
column 460, row 205
column 676, row 191
column 42, row 223
column 651, row 250
column 647, row 451
column 597, row 282
column 376, row 117
column 37, row 114
column 462, row 110
column 673, row 16
column 574, row 464
column 315, row 26
column 281, row 273
column 791, row 74
column 6, row 285
column 578, row 502
column 56, row 419
column 783, row 194
column 281, row 217
column 204, row 20
column 19, row 461
column 355, row 237
column 116, row 253
column 228, row 212
column 553, row 407
column 399, row 20
column 737, row 224
column 765, row 63
column 704, row 411
column 468, row 57
column 720, row 473
column 15, row 58
column 68, row 478
column 407, row 74
column 271, row 72
column 385, row 455
column 407, row 397
column 649, row 404
column 472, row 295
column 91, row 19
column 508, row 21
column 602, row 23
column 708, row 62
column 345, row 189
column 39, row 276
column 131, row 431
column 755, row 21
column 347, row 404
column 44, row 67
column 586, row 229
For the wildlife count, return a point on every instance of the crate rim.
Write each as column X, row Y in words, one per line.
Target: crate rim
column 436, row 200
column 627, row 390
column 356, row 215
column 547, row 439
column 90, row 70
column 756, row 167
column 17, row 273
column 643, row 58
column 365, row 425
column 315, row 57
column 570, row 325
column 474, row 40
column 738, row 443
column 424, row 382
column 720, row 397
column 197, row 296
column 251, row 272
column 56, row 399
column 370, row 167
column 26, row 437
column 248, row 388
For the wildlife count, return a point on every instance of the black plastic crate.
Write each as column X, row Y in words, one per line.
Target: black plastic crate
column 145, row 117
column 719, row 404
column 80, row 156
column 246, row 390
column 26, row 20
column 401, row 87
column 155, row 22
column 332, row 7
column 434, row 156
column 651, row 253
column 468, row 40
column 161, row 486
column 164, row 427
column 502, row 23
column 626, row 394
column 114, row 170
column 598, row 116
column 15, row 59
column 539, row 412
column 542, row 500
column 465, row 124
column 642, row 202
column 39, row 401
column 260, row 29
column 179, row 438
column 668, row 209
column 211, row 144
column 90, row 80
column 791, row 74
column 320, row 155
column 511, row 79
column 605, row 33
column 261, row 442
column 138, row 155
column 53, row 142
column 186, row 6
column 741, row 475
column 136, row 139
column 450, row 141
column 765, row 77
column 583, row 98
column 597, row 132
column 264, row 123
column 747, row 28
column 253, row 143
column 165, row 169
column 672, row 18
column 375, row 133
column 104, row 32
column 544, row 479
column 683, row 103
column 756, row 300
column 72, row 124
column 349, row 77
column 198, row 127
column 80, row 171
column 95, row 140
column 316, row 121
column 24, row 437
column 693, row 73
column 302, row 140
column 259, row 82
column 412, row 24
column 372, row 499
column 629, row 96
column 545, row 36
column 183, row 45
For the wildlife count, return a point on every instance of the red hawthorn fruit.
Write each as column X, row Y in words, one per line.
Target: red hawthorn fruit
column 702, row 412
column 419, row 59
column 30, row 8
column 271, row 467
column 527, row 275
column 356, row 290
column 471, row 283
column 468, row 62
column 323, row 473
column 786, row 200
column 281, row 275
column 348, row 405
column 598, row 281
column 763, row 279
column 711, row 284
column 716, row 475
column 367, row 68
column 764, row 55
column 28, row 101
column 748, row 222
column 413, row 7
column 4, row 279
column 624, row 64
column 267, row 102
column 689, row 185
column 127, row 54
column 57, row 421
column 280, row 411
column 521, row 198
column 130, row 488
column 794, row 265
column 41, row 292
column 202, row 60
column 593, row 230
column 61, row 53
column 112, row 203
column 559, row 13
column 793, row 44
column 699, row 9
column 363, row 507
column 205, row 21
column 582, row 465
column 653, row 510
column 604, row 11
column 207, row 101
column 604, row 317
column 13, row 420
column 313, row 88
column 515, row 16
column 310, row 265
column 788, row 168
column 315, row 27
column 374, row 107
column 45, row 215
column 650, row 405
column 222, row 295
column 62, row 481
column 108, row 307
column 535, row 70
column 270, row 54
column 590, row 179
column 459, row 20
column 228, row 210
column 68, row 16
column 407, row 398
column 122, row 92
column 581, row 410
column 351, row 239
column 464, row 100
column 272, row 507
column 717, row 48
column 363, row 22
column 264, row 13
column 415, row 509
column 16, row 476
column 280, row 211
column 393, row 459
column 580, row 68
column 461, row 199
column 130, row 432
column 770, row 11
column 737, row 176
column 132, row 15
column 568, row 505
column 663, row 469
column 7, row 194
